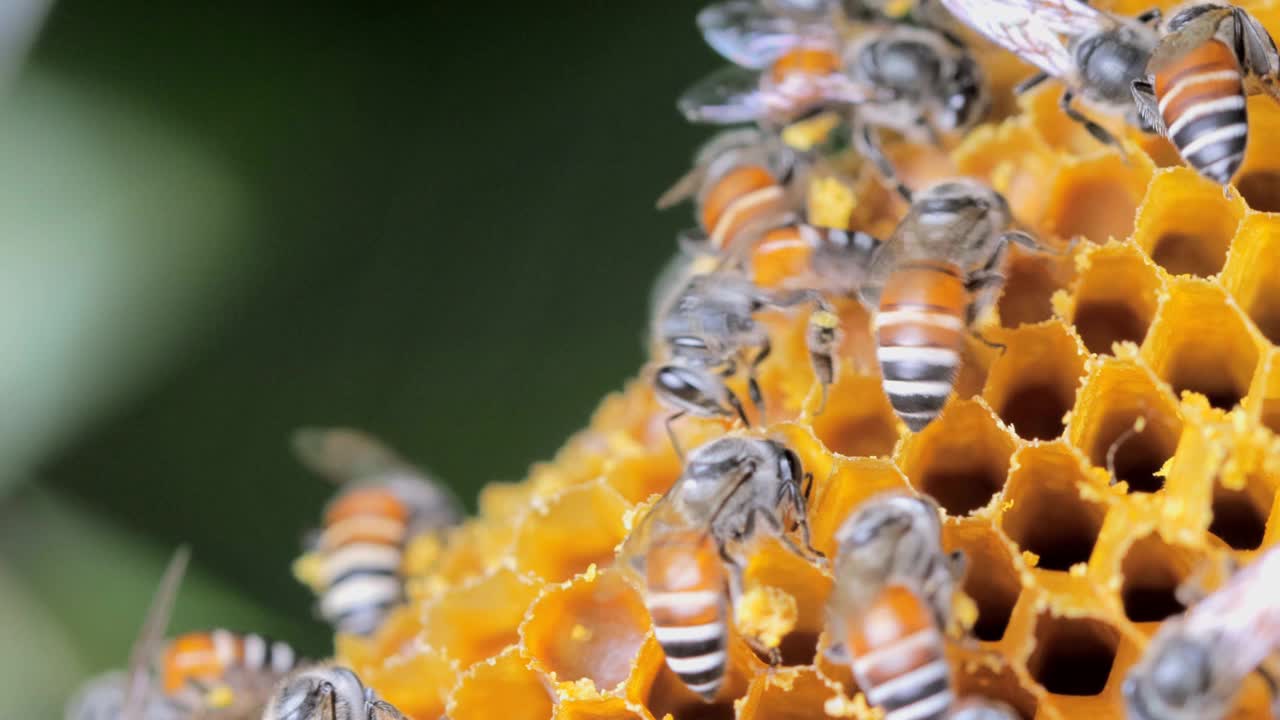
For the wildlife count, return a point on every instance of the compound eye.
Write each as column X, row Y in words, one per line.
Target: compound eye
column 790, row 468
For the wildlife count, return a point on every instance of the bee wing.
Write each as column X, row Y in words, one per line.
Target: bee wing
column 727, row 96
column 342, row 454
column 151, row 635
column 749, row 35
column 1191, row 36
column 1243, row 615
column 1032, row 29
column 683, row 189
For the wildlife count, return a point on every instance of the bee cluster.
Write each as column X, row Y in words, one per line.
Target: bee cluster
column 963, row 404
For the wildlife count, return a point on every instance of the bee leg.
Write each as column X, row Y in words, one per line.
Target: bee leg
column 1030, row 83
column 1098, row 132
column 380, row 709
column 983, row 286
column 698, row 392
column 864, row 139
column 671, row 435
column 753, row 384
column 821, row 338
column 1150, row 17
column 1256, row 50
column 1144, row 99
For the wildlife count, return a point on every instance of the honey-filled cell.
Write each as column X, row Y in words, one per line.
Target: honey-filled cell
column 1032, row 384
column 1045, row 511
column 1114, row 297
column 1252, row 273
column 1185, row 223
column 961, row 459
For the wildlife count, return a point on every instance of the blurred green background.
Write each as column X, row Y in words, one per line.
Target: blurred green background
column 219, row 221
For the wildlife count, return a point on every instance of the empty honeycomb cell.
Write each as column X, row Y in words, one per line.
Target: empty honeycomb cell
column 503, row 687
column 480, row 618
column 1152, row 570
column 1259, row 177
column 1096, row 198
column 605, row 708
column 961, row 459
column 1030, row 281
column 789, row 694
column 590, row 628
column 991, row 579
column 577, row 528
column 1115, row 296
column 1115, row 394
column 1252, row 274
column 1185, row 223
column 850, row 483
column 1239, row 516
column 1032, row 384
column 1044, row 512
column 1073, row 655
column 1200, row 342
column 858, row 420
column 981, row 675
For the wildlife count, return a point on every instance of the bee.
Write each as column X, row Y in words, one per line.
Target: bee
column 1208, row 56
column 1195, row 664
column 328, row 692
column 928, row 282
column 981, row 709
column 913, row 80
column 891, row 604
column 383, row 503
column 689, row 551
column 707, row 328
column 216, row 674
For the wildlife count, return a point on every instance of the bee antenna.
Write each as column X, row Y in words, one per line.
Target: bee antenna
column 152, row 634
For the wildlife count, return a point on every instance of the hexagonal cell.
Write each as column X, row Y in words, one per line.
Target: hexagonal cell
column 416, row 682
column 851, row 482
column 1073, row 656
column 1185, row 223
column 479, row 619
column 1032, row 384
column 1152, row 570
column 993, row 678
column 1200, row 342
column 1030, row 281
column 961, row 459
column 1044, row 511
column 599, row 709
column 773, row 565
column 858, row 420
column 1240, row 515
column 1113, row 397
column 992, row 580
column 1259, row 177
column 790, row 694
column 503, row 687
column 1114, row 297
column 592, row 627
column 636, row 478
column 1252, row 274
column 578, row 527
column 1097, row 198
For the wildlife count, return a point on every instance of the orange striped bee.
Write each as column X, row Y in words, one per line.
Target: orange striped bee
column 1209, row 55
column 689, row 551
column 383, row 503
column 892, row 600
column 928, row 282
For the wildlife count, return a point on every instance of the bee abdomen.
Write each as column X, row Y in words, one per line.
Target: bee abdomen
column 1202, row 102
column 744, row 198
column 898, row 658
column 685, row 596
column 210, row 656
column 919, row 330
column 363, row 543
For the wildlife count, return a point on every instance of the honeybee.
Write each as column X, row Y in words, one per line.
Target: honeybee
column 928, row 282
column 891, row 604
column 384, row 502
column 214, row 675
column 1209, row 55
column 689, row 551
column 1195, row 664
column 328, row 692
column 708, row 327
column 981, row 709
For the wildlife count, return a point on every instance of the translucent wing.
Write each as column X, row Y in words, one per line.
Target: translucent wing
column 1243, row 614
column 1032, row 29
column 750, row 35
column 1187, row 38
column 342, row 454
column 152, row 634
column 728, row 96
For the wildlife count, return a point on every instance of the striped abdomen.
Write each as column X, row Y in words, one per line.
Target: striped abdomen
column 685, row 592
column 782, row 256
column 898, row 657
column 362, row 545
column 745, row 198
column 209, row 657
column 1202, row 103
column 919, row 330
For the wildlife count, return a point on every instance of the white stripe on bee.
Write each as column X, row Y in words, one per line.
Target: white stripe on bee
column 362, row 556
column 1209, row 107
column 928, row 707
column 916, row 388
column 899, row 685
column 928, row 355
column 224, row 647
column 282, row 657
column 682, row 598
column 1212, row 168
column 926, row 638
column 668, row 635
column 1216, row 135
column 386, row 529
column 1186, row 82
column 697, row 664
column 702, row 688
column 255, row 651
column 916, row 317
column 359, row 592
column 742, row 206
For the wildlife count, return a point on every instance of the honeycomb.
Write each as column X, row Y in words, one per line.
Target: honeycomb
column 1158, row 329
